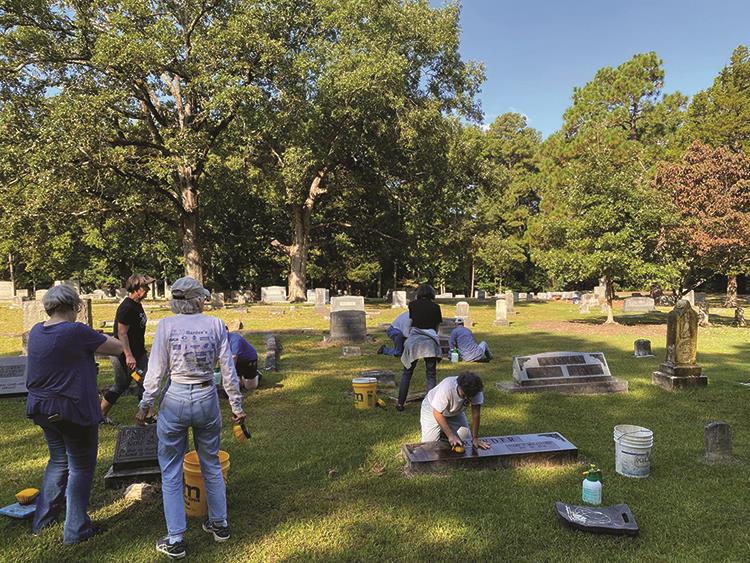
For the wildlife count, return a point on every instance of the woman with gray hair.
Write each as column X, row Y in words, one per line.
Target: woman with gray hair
column 186, row 348
column 64, row 401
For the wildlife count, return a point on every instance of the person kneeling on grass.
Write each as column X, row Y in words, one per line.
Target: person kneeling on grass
column 468, row 349
column 442, row 416
column 245, row 360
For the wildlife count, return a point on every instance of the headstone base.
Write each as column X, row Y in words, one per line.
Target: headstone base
column 546, row 449
column 116, row 478
column 676, row 382
column 501, row 322
column 593, row 387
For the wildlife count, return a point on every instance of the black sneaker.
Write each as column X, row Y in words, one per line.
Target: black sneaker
column 172, row 550
column 221, row 533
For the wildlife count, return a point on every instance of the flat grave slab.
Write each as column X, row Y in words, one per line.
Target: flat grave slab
column 616, row 519
column 13, row 376
column 135, row 457
column 550, row 448
column 563, row 372
column 386, row 378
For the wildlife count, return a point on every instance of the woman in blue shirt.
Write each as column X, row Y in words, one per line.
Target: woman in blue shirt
column 64, row 401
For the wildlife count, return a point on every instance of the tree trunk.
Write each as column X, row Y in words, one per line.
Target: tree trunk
column 297, row 251
column 473, row 271
column 298, row 255
column 731, row 298
column 189, row 198
column 609, row 292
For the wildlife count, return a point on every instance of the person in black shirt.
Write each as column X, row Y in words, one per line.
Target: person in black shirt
column 130, row 329
column 423, row 341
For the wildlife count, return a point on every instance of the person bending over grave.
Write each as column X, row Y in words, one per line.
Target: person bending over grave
column 185, row 350
column 423, row 341
column 245, row 360
column 468, row 349
column 398, row 332
column 130, row 329
column 64, row 401
column 442, row 416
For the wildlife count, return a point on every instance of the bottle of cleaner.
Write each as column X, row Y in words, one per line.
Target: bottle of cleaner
column 454, row 356
column 137, row 375
column 591, row 490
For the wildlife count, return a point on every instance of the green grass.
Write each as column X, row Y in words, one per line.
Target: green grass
column 286, row 504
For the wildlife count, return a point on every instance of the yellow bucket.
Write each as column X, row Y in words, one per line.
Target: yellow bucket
column 194, row 491
column 365, row 392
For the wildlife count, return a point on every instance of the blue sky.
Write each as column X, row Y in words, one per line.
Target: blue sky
column 537, row 51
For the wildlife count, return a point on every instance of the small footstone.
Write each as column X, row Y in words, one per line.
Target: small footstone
column 386, row 378
column 617, row 519
column 351, row 351
column 642, row 348
column 547, row 449
column 718, row 442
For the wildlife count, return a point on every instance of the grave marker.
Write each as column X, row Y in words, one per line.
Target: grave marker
column 348, row 326
column 13, row 375
column 642, row 348
column 348, row 303
column 322, row 296
column 399, row 300
column 638, row 305
column 509, row 302
column 717, row 437
column 135, row 458
column 680, row 369
column 501, row 313
column 462, row 312
column 273, row 294
column 548, row 449
column 563, row 372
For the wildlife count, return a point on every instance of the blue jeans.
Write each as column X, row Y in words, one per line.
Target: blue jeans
column 430, row 367
column 68, row 477
column 398, row 341
column 184, row 406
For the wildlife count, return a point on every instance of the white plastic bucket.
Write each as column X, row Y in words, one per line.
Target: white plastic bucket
column 633, row 450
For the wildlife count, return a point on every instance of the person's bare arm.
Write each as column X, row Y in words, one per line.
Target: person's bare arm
column 453, row 438
column 122, row 335
column 110, row 347
column 475, row 417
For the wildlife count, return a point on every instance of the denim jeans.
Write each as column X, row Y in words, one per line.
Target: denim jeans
column 68, row 477
column 430, row 367
column 431, row 431
column 123, row 380
column 184, row 406
column 398, row 342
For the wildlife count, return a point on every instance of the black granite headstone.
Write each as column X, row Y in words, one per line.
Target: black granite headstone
column 616, row 519
column 550, row 448
column 135, row 457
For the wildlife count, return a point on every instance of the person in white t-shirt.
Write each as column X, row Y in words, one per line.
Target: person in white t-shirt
column 442, row 416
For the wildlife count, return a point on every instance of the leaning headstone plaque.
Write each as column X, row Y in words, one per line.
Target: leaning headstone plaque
column 563, row 372
column 135, row 459
column 13, row 376
column 550, row 448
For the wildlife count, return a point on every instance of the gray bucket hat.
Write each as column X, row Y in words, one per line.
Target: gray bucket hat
column 189, row 288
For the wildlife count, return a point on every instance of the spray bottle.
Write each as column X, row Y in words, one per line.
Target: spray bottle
column 591, row 491
column 241, row 433
column 454, row 356
column 137, row 375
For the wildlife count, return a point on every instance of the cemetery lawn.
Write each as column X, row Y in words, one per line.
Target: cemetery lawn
column 321, row 481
